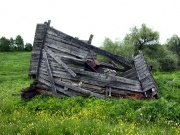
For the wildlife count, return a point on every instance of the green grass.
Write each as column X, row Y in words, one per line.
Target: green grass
column 76, row 115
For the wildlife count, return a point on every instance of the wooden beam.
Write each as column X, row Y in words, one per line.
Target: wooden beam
column 74, row 53
column 125, row 62
column 59, row 61
column 67, row 93
column 90, row 39
column 49, row 73
column 78, row 89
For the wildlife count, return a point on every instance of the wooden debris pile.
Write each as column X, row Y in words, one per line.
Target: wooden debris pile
column 66, row 66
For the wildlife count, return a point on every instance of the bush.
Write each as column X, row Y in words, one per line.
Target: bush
column 169, row 62
column 154, row 63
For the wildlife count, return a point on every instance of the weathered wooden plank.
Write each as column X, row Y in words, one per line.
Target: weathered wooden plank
column 128, row 71
column 67, row 93
column 106, row 77
column 97, row 81
column 66, row 46
column 72, row 87
column 70, row 62
column 60, row 62
column 134, row 78
column 147, row 84
column 144, row 69
column 49, row 73
column 147, row 80
column 71, row 52
column 39, row 35
column 140, row 65
column 138, row 56
column 62, row 40
column 149, row 87
column 81, row 90
column 100, row 90
column 145, row 75
column 131, row 74
column 123, row 61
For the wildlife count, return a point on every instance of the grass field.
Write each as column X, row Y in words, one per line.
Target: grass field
column 76, row 115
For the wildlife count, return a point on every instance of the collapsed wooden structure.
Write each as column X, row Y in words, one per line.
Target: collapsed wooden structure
column 66, row 66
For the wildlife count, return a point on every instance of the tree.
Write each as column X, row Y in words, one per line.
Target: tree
column 143, row 36
column 110, row 46
column 12, row 44
column 173, row 44
column 19, row 43
column 4, row 44
column 28, row 47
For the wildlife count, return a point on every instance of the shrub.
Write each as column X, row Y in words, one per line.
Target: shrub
column 154, row 63
column 169, row 62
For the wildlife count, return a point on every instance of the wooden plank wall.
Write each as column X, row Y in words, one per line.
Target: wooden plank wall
column 68, row 40
column 130, row 74
column 62, row 67
column 73, row 55
column 145, row 76
column 38, row 42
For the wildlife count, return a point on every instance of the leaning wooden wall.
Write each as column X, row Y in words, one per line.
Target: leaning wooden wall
column 145, row 77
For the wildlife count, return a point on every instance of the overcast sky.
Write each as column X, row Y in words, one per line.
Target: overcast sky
column 80, row 18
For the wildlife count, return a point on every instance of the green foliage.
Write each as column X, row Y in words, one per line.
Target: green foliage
column 142, row 37
column 117, row 47
column 173, row 44
column 77, row 115
column 19, row 43
column 154, row 62
column 169, row 62
column 14, row 44
column 4, row 44
column 28, row 47
column 161, row 58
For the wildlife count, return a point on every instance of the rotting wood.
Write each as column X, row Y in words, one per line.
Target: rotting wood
column 89, row 93
column 119, row 59
column 65, row 63
column 49, row 73
column 60, row 62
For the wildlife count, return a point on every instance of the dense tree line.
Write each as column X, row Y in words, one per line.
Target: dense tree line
column 163, row 57
column 16, row 44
